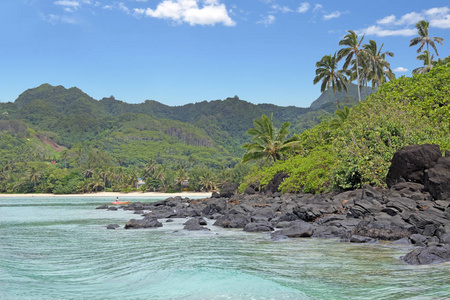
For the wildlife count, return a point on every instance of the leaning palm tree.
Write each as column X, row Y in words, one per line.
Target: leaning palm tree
column 426, row 58
column 378, row 67
column 423, row 39
column 352, row 48
column 267, row 142
column 330, row 76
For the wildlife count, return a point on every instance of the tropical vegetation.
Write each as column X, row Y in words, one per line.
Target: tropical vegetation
column 58, row 140
column 355, row 147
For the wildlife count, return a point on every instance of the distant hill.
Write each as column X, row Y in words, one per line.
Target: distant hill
column 209, row 131
column 351, row 97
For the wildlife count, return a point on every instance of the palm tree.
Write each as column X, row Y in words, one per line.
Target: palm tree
column 207, row 181
column 339, row 119
column 353, row 48
column 182, row 176
column 330, row 76
column 34, row 175
column 425, row 56
column 379, row 70
column 423, row 39
column 267, row 142
column 150, row 168
column 161, row 175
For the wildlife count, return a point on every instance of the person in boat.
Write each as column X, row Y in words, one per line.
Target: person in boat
column 117, row 199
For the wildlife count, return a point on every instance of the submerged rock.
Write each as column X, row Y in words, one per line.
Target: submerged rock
column 147, row 222
column 112, row 226
column 433, row 254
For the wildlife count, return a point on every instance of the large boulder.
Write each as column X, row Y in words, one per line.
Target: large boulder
column 232, row 221
column 297, row 229
column 382, row 230
column 195, row 224
column 437, row 178
column 410, row 163
column 258, row 227
column 274, row 184
column 147, row 222
column 228, row 190
column 433, row 254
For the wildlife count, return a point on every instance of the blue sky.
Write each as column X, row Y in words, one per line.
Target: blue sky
column 182, row 51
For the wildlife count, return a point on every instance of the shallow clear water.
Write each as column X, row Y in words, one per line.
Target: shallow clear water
column 59, row 248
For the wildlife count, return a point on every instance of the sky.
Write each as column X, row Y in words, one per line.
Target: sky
column 185, row 51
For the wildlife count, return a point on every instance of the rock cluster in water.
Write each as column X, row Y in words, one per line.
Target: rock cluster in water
column 414, row 210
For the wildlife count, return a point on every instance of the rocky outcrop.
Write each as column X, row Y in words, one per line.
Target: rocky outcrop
column 410, row 163
column 437, row 178
column 410, row 211
column 421, row 169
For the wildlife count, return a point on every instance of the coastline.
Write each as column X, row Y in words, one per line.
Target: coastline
column 114, row 195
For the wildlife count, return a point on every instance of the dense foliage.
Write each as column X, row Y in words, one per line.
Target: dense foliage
column 59, row 140
column 355, row 148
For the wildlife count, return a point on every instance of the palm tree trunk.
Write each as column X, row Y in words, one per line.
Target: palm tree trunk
column 357, row 76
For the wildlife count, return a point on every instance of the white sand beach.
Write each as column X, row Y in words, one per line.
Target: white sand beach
column 114, row 195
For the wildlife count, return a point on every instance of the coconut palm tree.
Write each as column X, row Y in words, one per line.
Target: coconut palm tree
column 352, row 49
column 161, row 175
column 423, row 39
column 340, row 116
column 34, row 175
column 379, row 70
column 267, row 142
column 425, row 57
column 330, row 76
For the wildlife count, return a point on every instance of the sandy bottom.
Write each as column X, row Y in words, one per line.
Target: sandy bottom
column 114, row 195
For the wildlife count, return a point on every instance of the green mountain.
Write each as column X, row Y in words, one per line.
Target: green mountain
column 70, row 116
column 59, row 140
column 348, row 99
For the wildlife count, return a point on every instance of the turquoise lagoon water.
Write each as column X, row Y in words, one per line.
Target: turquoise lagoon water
column 59, row 248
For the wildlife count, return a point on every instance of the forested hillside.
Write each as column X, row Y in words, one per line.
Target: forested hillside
column 51, row 127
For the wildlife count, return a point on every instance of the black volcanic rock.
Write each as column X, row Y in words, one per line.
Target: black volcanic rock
column 410, row 163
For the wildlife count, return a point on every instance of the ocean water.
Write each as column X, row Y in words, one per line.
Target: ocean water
column 59, row 248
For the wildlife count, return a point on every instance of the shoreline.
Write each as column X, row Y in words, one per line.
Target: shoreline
column 114, row 195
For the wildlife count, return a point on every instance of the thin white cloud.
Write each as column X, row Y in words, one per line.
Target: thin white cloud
column 57, row 19
column 67, row 3
column 404, row 26
column 304, row 7
column 400, row 70
column 278, row 8
column 386, row 20
column 123, row 7
column 317, row 7
column 267, row 20
column 333, row 15
column 381, row 32
column 188, row 11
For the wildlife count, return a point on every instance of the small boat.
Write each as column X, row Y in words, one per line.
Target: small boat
column 120, row 202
